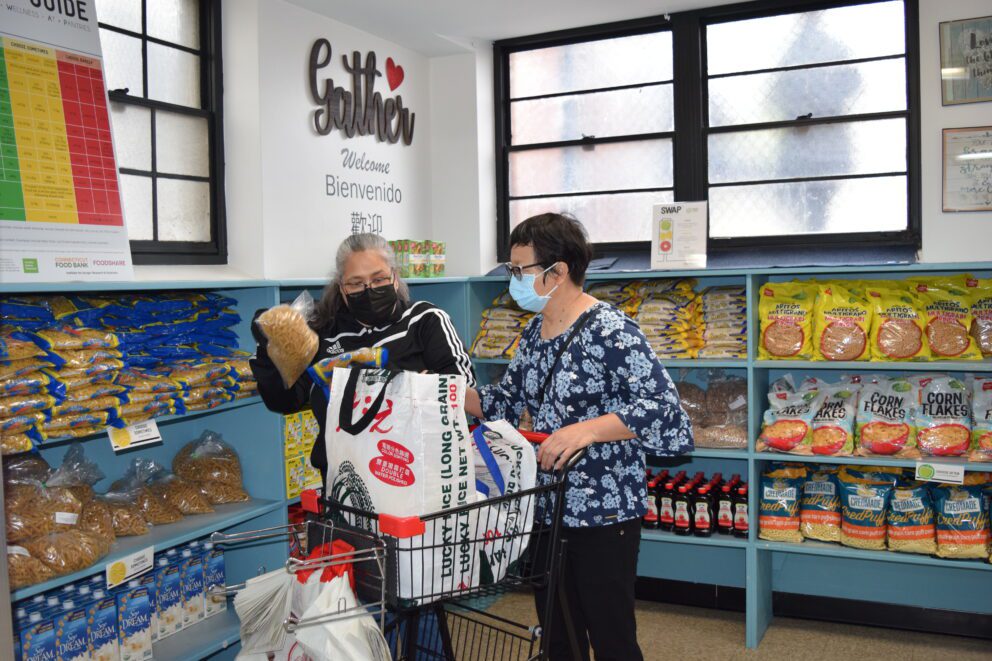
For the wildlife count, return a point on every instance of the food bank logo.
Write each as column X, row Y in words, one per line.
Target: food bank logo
column 72, row 262
column 360, row 110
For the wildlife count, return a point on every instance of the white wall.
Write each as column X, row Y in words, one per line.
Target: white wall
column 947, row 237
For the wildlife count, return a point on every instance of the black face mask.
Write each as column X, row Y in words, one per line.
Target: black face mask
column 374, row 306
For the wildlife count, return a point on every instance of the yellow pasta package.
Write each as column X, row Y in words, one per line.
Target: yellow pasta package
column 786, row 312
column 948, row 324
column 897, row 326
column 841, row 324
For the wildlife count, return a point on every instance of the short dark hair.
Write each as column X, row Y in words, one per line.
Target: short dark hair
column 556, row 237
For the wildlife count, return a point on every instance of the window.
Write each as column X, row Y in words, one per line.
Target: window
column 590, row 131
column 796, row 119
column 163, row 68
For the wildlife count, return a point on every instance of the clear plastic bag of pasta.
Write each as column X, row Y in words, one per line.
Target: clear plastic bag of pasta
column 68, row 551
column 33, row 509
column 184, row 495
column 126, row 516
column 292, row 344
column 23, row 569
column 77, row 473
column 153, row 507
column 98, row 519
column 208, row 459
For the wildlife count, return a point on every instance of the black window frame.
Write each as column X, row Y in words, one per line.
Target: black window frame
column 212, row 109
column 690, row 167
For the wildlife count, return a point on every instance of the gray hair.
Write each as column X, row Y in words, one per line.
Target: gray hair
column 332, row 299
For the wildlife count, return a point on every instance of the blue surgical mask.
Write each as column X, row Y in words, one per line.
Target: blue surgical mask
column 523, row 292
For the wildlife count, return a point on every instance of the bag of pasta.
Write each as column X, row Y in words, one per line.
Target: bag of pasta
column 886, row 420
column 34, row 509
column 788, row 422
column 962, row 519
column 981, row 313
column 68, row 551
column 154, row 508
column 292, row 344
column 126, row 516
column 210, row 462
column 781, row 491
column 181, row 494
column 786, row 313
column 98, row 519
column 833, row 425
column 943, row 420
column 897, row 326
column 910, row 519
column 77, row 474
column 981, row 411
column 819, row 511
column 864, row 503
column 26, row 467
column 23, row 569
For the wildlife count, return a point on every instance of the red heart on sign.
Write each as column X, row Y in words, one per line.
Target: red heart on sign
column 394, row 74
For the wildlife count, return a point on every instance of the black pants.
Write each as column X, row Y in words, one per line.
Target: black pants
column 599, row 575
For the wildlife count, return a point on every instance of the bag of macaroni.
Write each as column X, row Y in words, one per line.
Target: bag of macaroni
column 788, row 422
column 886, row 421
column 981, row 412
column 778, row 516
column 943, row 420
column 833, row 425
column 864, row 502
column 842, row 322
column 962, row 518
column 819, row 511
column 786, row 313
column 910, row 519
column 398, row 444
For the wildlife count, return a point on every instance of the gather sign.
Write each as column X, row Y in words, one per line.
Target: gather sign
column 360, row 110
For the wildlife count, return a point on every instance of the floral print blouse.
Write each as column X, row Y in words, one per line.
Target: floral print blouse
column 609, row 367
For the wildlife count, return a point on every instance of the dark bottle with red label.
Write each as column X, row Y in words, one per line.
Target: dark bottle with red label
column 741, row 518
column 683, row 510
column 725, row 510
column 650, row 519
column 702, row 512
column 666, row 501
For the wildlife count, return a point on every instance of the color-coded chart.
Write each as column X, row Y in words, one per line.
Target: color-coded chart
column 56, row 155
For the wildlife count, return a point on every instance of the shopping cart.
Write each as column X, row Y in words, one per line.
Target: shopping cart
column 416, row 597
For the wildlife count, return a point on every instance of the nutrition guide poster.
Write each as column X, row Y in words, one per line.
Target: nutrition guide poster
column 60, row 204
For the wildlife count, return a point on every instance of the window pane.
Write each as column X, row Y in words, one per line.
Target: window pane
column 183, row 210
column 842, row 33
column 825, row 92
column 132, row 127
column 136, row 196
column 809, row 151
column 120, row 13
column 616, row 218
column 645, row 58
column 602, row 114
column 173, row 76
column 181, row 144
column 177, row 21
column 877, row 204
column 617, row 166
column 122, row 62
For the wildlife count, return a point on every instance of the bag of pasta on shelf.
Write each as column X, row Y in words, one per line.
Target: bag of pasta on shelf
column 184, row 495
column 886, row 420
column 214, row 466
column 68, row 551
column 292, row 344
column 77, row 473
column 819, row 511
column 788, row 422
column 962, row 518
column 781, row 492
column 133, row 486
column 125, row 514
column 981, row 412
column 23, row 569
column 910, row 519
column 864, row 503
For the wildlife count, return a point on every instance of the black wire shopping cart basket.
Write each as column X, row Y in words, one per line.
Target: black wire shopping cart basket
column 437, row 567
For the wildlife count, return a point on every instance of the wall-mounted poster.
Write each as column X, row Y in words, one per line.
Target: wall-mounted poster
column 966, row 60
column 968, row 169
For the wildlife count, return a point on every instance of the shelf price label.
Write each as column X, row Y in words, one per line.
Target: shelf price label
column 138, row 434
column 931, row 471
column 130, row 567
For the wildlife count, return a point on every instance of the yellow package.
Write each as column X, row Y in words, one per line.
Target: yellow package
column 981, row 314
column 491, row 344
column 948, row 324
column 841, row 324
column 294, row 476
column 786, row 313
column 897, row 326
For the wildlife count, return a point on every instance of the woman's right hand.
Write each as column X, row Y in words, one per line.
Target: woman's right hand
column 473, row 404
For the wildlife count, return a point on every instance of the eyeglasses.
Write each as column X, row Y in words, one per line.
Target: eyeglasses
column 518, row 271
column 360, row 286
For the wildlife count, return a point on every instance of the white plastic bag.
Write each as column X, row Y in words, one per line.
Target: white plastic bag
column 355, row 638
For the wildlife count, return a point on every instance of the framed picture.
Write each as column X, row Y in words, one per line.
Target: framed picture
column 968, row 169
column 966, row 60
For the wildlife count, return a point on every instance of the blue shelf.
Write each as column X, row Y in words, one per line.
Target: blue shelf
column 203, row 639
column 137, row 285
column 839, row 551
column 710, row 453
column 665, row 537
column 869, row 366
column 869, row 461
column 732, row 363
column 491, row 361
column 163, row 537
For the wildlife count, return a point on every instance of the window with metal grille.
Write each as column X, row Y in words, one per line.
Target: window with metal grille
column 163, row 69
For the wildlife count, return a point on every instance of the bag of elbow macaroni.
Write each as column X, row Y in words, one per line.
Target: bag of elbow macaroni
column 781, row 489
column 910, row 519
column 864, row 502
column 820, row 508
column 786, row 312
column 962, row 519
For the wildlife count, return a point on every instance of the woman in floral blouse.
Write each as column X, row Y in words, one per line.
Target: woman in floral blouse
column 603, row 389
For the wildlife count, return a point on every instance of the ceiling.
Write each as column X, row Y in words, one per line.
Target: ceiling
column 447, row 27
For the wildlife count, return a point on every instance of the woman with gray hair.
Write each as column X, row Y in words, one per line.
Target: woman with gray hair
column 365, row 304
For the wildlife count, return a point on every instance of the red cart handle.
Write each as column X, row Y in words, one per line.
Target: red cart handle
column 534, row 436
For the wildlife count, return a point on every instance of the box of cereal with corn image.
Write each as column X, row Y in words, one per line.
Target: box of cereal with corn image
column 169, row 598
column 134, row 623
column 102, row 630
column 191, row 575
